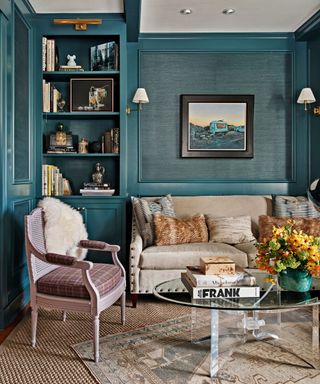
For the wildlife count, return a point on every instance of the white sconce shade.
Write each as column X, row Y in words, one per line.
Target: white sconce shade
column 140, row 96
column 306, row 97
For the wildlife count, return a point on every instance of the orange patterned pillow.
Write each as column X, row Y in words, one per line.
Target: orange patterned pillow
column 170, row 230
column 311, row 226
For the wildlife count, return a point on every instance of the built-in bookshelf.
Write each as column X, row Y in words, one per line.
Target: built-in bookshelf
column 81, row 100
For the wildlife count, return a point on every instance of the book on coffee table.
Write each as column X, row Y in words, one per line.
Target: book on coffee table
column 239, row 278
column 218, row 292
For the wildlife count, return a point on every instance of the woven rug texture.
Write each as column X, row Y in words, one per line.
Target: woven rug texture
column 150, row 348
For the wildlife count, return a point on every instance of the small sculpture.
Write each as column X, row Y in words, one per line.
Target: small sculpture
column 71, row 60
column 97, row 176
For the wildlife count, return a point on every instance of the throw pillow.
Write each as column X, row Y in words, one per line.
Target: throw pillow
column 311, row 226
column 144, row 209
column 63, row 229
column 230, row 230
column 293, row 206
column 170, row 230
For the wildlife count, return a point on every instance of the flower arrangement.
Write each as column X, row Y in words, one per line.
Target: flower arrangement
column 289, row 248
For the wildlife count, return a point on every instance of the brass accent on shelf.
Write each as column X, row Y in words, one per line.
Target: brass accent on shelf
column 316, row 111
column 79, row 24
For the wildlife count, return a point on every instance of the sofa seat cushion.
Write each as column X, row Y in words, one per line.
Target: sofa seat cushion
column 250, row 250
column 67, row 282
column 180, row 255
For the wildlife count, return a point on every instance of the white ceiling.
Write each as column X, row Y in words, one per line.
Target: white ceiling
column 160, row 16
column 250, row 16
column 77, row 6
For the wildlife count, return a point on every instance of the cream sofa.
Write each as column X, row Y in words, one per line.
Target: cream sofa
column 155, row 264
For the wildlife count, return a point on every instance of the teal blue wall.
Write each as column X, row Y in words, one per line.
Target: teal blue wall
column 272, row 67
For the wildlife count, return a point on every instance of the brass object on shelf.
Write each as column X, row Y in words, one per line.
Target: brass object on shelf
column 79, row 24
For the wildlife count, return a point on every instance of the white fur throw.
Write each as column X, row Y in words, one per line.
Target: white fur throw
column 64, row 228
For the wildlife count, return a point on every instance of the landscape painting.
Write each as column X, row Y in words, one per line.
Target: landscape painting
column 217, row 126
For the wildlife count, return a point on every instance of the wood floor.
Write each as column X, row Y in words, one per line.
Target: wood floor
column 5, row 333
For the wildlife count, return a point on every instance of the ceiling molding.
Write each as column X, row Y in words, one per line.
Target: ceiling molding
column 309, row 28
column 132, row 17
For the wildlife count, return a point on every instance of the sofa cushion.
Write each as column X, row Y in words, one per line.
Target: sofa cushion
column 180, row 255
column 230, row 230
column 251, row 251
column 144, row 209
column 311, row 226
column 170, row 230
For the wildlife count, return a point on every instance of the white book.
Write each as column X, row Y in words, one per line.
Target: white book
column 44, row 53
column 53, row 55
column 239, row 278
column 232, row 292
column 97, row 192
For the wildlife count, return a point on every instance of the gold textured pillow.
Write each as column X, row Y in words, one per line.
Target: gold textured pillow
column 311, row 226
column 230, row 230
column 170, row 230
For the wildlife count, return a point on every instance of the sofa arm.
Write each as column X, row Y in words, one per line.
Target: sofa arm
column 136, row 248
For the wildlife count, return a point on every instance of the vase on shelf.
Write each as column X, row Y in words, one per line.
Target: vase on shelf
column 296, row 280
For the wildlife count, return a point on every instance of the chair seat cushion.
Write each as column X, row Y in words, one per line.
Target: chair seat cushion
column 180, row 255
column 67, row 282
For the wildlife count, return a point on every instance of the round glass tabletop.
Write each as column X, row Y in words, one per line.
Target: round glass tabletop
column 271, row 298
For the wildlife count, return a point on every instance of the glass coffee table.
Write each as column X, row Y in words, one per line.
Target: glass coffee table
column 251, row 311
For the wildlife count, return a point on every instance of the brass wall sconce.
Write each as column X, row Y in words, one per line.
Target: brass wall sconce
column 140, row 97
column 307, row 97
column 79, row 24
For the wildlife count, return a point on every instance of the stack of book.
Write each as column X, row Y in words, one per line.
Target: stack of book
column 52, row 181
column 71, row 68
column 49, row 52
column 51, row 95
column 94, row 189
column 218, row 277
column 111, row 141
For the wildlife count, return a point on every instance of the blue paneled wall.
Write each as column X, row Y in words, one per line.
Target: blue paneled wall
column 271, row 67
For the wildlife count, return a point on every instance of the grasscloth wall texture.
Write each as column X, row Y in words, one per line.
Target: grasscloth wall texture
column 167, row 75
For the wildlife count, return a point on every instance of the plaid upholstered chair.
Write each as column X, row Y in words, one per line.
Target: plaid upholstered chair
column 63, row 282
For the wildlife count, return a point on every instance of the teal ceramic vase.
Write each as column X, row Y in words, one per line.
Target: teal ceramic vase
column 295, row 280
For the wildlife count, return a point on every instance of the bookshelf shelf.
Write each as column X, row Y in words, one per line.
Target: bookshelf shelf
column 62, row 75
column 79, row 115
column 81, row 155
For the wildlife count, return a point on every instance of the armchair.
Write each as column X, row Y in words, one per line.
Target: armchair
column 63, row 282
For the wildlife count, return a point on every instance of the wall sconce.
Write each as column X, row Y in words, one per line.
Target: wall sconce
column 140, row 97
column 306, row 97
column 79, row 24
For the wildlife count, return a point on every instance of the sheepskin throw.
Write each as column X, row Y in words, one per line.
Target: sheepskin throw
column 64, row 228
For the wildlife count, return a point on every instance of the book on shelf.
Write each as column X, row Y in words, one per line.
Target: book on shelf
column 239, row 278
column 50, row 97
column 230, row 292
column 112, row 141
column 49, row 54
column 97, row 192
column 71, row 68
column 52, row 181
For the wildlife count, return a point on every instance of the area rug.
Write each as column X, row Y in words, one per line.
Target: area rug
column 162, row 354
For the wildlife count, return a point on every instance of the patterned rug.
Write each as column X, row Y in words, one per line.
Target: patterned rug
column 162, row 354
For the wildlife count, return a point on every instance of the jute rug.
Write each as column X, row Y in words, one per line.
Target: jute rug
column 163, row 354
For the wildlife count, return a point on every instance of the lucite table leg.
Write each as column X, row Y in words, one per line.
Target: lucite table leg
column 214, row 364
column 315, row 329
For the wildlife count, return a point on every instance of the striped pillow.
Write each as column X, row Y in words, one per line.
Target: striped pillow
column 293, row 206
column 170, row 230
column 144, row 209
column 229, row 230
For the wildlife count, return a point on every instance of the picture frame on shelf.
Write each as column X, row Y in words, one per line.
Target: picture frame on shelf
column 92, row 95
column 217, row 126
column 104, row 57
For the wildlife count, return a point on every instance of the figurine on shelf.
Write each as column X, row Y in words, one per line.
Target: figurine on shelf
column 97, row 176
column 60, row 104
column 71, row 60
column 61, row 135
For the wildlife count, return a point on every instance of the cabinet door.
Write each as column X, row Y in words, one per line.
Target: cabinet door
column 104, row 222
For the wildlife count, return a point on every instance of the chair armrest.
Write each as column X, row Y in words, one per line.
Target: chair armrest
column 96, row 245
column 67, row 261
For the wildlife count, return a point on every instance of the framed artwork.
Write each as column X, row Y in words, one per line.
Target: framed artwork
column 217, row 126
column 91, row 95
column 104, row 57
